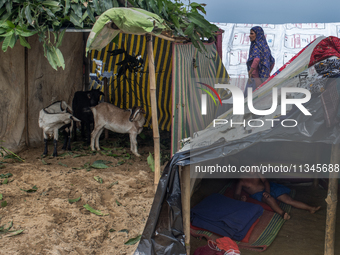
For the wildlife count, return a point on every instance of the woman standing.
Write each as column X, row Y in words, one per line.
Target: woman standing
column 260, row 60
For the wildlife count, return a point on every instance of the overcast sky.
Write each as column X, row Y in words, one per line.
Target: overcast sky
column 271, row 11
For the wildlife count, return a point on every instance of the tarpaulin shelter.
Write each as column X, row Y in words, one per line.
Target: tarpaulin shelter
column 28, row 84
column 315, row 68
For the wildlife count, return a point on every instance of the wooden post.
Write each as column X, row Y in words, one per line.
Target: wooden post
column 332, row 200
column 154, row 109
column 185, row 188
column 106, row 99
column 27, row 139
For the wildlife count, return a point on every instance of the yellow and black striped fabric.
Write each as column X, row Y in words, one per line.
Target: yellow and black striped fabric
column 134, row 89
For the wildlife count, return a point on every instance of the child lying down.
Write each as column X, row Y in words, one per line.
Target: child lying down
column 262, row 190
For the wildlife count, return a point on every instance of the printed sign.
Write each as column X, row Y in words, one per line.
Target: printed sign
column 297, row 41
column 242, row 39
column 306, row 25
column 253, row 25
column 238, row 57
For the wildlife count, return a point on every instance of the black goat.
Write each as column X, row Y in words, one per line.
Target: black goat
column 82, row 101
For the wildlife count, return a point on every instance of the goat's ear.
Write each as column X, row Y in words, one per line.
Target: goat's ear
column 134, row 113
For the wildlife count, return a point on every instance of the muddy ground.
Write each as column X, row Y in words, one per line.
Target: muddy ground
column 38, row 192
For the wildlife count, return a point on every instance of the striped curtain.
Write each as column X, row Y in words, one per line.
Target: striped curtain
column 189, row 68
column 132, row 90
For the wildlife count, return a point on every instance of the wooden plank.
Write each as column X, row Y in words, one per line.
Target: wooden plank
column 332, row 200
column 185, row 188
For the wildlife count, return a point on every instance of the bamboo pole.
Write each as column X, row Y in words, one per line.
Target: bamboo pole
column 332, row 200
column 106, row 99
column 185, row 188
column 154, row 109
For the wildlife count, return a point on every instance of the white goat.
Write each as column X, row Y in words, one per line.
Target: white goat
column 118, row 120
column 54, row 117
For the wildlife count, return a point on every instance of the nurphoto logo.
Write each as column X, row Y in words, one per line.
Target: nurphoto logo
column 239, row 102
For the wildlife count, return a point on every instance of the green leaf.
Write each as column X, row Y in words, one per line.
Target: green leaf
column 124, row 230
column 96, row 7
column 9, row 33
column 119, row 204
column 76, row 20
column 198, row 7
column 49, row 13
column 9, row 41
column 79, row 155
column 67, row 7
column 51, row 3
column 60, row 38
column 4, row 203
column 2, row 2
column 77, row 10
column 112, row 230
column 28, row 14
column 2, row 176
column 62, row 164
column 190, row 29
column 127, row 156
column 133, row 241
column 58, row 57
column 34, row 189
column 14, row 233
column 9, row 6
column 26, row 33
column 120, row 162
column 98, row 179
column 23, row 42
column 151, row 162
column 114, row 183
column 10, row 24
column 74, row 200
column 91, row 14
column 99, row 165
column 112, row 155
column 0, row 196
column 5, row 181
column 51, row 59
column 97, row 212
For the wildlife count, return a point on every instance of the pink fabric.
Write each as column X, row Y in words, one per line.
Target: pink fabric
column 206, row 250
column 225, row 243
column 255, row 65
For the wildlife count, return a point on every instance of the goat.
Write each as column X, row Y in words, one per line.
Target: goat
column 81, row 103
column 54, row 117
column 117, row 120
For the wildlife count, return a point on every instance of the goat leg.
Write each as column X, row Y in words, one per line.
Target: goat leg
column 66, row 139
column 74, row 132
column 55, row 143
column 46, row 147
column 133, row 142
